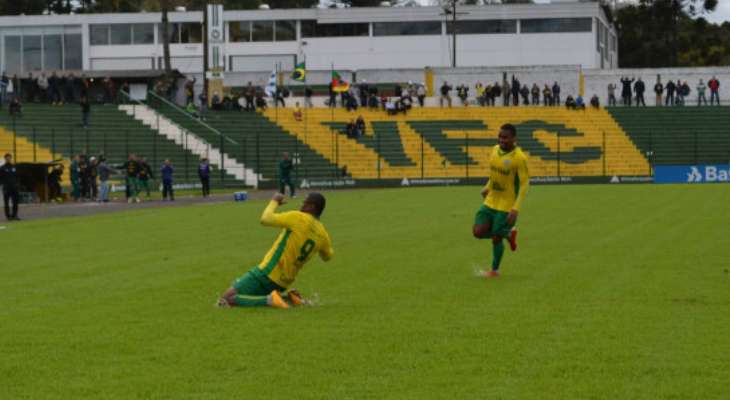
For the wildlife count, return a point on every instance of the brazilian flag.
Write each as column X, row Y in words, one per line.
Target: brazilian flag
column 299, row 73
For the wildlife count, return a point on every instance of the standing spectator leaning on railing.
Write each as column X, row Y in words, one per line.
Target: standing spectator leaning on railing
column 701, row 93
column 445, row 89
column 669, row 99
column 612, row 94
column 658, row 91
column 421, row 91
column 556, row 93
column 714, row 85
column 639, row 89
column 626, row 90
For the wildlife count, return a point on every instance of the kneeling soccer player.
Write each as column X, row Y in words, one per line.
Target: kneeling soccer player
column 507, row 187
column 302, row 237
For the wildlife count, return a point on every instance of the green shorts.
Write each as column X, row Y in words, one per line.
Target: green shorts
column 255, row 283
column 498, row 220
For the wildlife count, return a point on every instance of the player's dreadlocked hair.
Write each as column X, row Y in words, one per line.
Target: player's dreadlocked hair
column 318, row 201
column 510, row 128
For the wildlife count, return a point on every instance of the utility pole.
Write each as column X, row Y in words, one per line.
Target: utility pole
column 450, row 9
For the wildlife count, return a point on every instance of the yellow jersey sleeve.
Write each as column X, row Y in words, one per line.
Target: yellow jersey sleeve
column 283, row 220
column 523, row 176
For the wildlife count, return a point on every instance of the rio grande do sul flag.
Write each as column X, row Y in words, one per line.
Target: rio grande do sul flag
column 338, row 85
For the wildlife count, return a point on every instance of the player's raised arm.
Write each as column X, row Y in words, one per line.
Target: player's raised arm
column 268, row 218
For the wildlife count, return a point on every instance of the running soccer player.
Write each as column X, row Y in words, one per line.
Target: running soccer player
column 145, row 174
column 303, row 235
column 508, row 183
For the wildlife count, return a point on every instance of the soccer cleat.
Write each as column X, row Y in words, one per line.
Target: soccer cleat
column 295, row 298
column 129, row 200
column 493, row 274
column 513, row 239
column 276, row 300
column 136, row 199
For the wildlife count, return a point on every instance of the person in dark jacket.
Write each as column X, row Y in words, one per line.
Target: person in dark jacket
column 85, row 111
column 525, row 93
column 84, row 177
column 626, row 90
column 515, row 91
column 364, row 93
column 556, row 93
column 54, row 183
column 658, row 91
column 11, row 187
column 145, row 175
column 104, row 171
column 132, row 167
column 639, row 89
column 286, row 165
column 204, row 174
column 16, row 86
column 167, row 171
column 190, row 90
column 669, row 101
column 714, row 86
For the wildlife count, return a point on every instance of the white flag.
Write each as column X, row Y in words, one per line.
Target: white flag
column 271, row 89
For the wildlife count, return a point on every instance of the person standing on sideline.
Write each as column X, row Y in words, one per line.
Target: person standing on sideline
column 302, row 236
column 285, row 167
column 503, row 196
column 145, row 175
column 132, row 167
column 54, row 183
column 74, row 178
column 85, row 111
column 714, row 85
column 639, row 89
column 11, row 187
column 658, row 91
column 167, row 171
column 104, row 170
column 701, row 93
column 204, row 174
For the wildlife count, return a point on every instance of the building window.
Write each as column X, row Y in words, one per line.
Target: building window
column 32, row 53
column 240, row 31
column 286, row 31
column 482, row 27
column 262, row 31
column 52, row 52
column 143, row 33
column 99, row 35
column 406, row 28
column 311, row 29
column 72, row 57
column 120, row 34
column 556, row 25
column 12, row 54
column 185, row 32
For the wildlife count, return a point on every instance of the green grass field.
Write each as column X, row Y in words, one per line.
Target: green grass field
column 615, row 292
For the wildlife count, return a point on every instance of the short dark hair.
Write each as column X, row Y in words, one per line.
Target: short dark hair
column 318, row 201
column 8, row 155
column 510, row 128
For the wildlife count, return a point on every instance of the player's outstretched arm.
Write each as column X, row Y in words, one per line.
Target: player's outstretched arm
column 268, row 218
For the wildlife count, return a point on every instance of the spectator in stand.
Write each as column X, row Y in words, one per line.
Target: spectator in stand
column 679, row 93
column 124, row 92
column 506, row 92
column 204, row 175
column 488, row 95
column 249, row 93
column 525, row 93
column 297, row 111
column 445, row 89
column 626, row 90
column 333, row 95
column 191, row 110
column 516, row 89
column 701, row 93
column 344, row 172
column 570, row 102
column 85, row 111
column 30, row 88
column 463, row 93
column 84, row 177
column 373, row 102
column 190, row 90
column 173, row 90
column 73, row 173
column 203, row 97
column 168, row 92
column 383, row 101
column 580, row 103
column 535, row 91
column 374, row 90
column 43, row 87
column 215, row 102
column 595, row 102
column 93, row 174
column 496, row 91
column 83, row 86
column 4, row 82
column 16, row 86
column 261, row 102
column 354, row 93
column 398, row 90
column 360, row 124
column 308, row 92
column 54, row 184
column 714, row 85
column 481, row 98
column 160, row 92
column 547, row 96
column 401, row 106
column 390, row 107
column 279, row 97
column 236, row 101
column 421, row 91
column 108, row 84
column 612, row 94
column 54, row 82
column 658, row 92
column 406, row 94
column 351, row 102
column 364, row 93
column 167, row 171
column 639, row 89
column 556, row 93
column 15, row 108
column 352, row 129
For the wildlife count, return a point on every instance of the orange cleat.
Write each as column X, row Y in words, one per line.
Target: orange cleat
column 493, row 274
column 277, row 301
column 513, row 239
column 295, row 298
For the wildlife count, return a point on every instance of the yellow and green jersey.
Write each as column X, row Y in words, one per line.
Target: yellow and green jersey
column 509, row 180
column 302, row 237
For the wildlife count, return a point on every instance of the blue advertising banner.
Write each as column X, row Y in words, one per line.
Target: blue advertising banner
column 691, row 173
